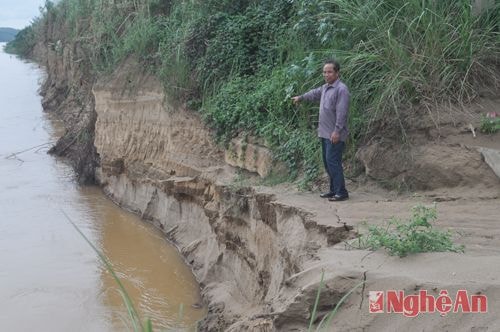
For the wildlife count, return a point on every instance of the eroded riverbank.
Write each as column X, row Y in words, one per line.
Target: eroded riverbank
column 258, row 252
column 50, row 279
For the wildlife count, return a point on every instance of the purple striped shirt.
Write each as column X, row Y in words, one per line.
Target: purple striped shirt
column 333, row 108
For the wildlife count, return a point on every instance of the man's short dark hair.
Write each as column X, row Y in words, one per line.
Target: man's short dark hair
column 336, row 65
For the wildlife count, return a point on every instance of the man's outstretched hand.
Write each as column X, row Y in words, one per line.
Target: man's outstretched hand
column 296, row 100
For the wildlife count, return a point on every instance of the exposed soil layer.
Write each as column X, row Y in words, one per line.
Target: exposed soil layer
column 66, row 92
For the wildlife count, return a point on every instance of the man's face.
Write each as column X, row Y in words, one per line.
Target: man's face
column 329, row 73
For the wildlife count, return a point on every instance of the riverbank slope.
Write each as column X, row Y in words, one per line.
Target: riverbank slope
column 257, row 251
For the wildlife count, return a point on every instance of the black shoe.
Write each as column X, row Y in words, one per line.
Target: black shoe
column 327, row 195
column 337, row 198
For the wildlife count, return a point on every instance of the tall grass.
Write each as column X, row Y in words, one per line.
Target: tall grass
column 135, row 319
column 403, row 53
column 238, row 62
column 326, row 320
column 178, row 31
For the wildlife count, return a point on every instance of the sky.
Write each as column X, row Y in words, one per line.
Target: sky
column 18, row 13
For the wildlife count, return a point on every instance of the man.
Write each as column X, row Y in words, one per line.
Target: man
column 332, row 127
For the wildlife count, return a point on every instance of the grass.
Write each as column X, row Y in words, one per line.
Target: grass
column 490, row 125
column 405, row 53
column 326, row 320
column 416, row 235
column 239, row 62
column 24, row 42
column 315, row 307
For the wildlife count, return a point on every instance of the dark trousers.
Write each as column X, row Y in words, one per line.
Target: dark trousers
column 332, row 159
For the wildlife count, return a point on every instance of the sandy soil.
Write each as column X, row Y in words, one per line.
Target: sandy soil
column 473, row 216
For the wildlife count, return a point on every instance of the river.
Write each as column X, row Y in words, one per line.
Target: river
column 50, row 278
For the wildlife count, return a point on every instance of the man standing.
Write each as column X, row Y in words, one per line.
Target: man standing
column 332, row 127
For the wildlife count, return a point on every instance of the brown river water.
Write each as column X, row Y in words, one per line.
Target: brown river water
column 50, row 278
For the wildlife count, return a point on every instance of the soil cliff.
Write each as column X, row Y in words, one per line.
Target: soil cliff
column 66, row 93
column 161, row 163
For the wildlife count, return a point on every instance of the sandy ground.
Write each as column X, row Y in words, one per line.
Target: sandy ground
column 466, row 196
column 473, row 216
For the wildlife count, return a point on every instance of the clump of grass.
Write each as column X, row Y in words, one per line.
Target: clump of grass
column 416, row 235
column 490, row 125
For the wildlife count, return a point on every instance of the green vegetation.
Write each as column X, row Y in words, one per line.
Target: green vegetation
column 239, row 62
column 326, row 320
column 7, row 34
column 23, row 43
column 490, row 125
column 414, row 236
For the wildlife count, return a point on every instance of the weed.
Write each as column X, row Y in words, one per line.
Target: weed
column 240, row 181
column 414, row 236
column 274, row 178
column 490, row 125
column 326, row 320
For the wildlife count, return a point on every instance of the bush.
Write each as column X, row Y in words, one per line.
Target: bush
column 414, row 236
column 256, row 104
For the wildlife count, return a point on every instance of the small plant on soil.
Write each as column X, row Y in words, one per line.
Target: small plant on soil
column 412, row 236
column 490, row 123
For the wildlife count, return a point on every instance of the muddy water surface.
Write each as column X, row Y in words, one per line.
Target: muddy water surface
column 50, row 279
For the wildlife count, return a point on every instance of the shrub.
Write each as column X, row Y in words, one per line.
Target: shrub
column 413, row 236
